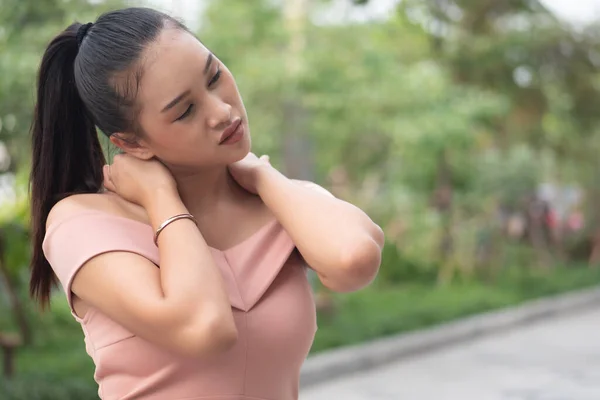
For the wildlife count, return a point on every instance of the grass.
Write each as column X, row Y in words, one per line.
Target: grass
column 58, row 358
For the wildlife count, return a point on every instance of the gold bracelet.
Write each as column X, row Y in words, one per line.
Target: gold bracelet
column 168, row 221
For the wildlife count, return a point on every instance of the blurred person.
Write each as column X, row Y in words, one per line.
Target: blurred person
column 185, row 260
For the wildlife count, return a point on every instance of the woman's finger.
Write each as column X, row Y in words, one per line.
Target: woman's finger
column 108, row 183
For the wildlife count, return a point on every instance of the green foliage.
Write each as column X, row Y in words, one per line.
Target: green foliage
column 398, row 267
column 26, row 27
column 46, row 388
column 511, row 177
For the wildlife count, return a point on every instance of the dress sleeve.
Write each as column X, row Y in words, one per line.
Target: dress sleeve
column 73, row 241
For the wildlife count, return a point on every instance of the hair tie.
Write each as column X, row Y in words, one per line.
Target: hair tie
column 82, row 31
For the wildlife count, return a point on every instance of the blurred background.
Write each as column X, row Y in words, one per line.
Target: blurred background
column 468, row 129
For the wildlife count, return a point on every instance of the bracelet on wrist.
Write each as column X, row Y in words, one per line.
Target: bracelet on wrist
column 169, row 221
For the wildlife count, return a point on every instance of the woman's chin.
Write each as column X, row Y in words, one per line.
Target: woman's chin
column 241, row 150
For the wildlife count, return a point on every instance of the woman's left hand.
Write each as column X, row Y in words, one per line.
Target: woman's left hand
column 246, row 171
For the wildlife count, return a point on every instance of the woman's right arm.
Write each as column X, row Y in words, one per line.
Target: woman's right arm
column 181, row 306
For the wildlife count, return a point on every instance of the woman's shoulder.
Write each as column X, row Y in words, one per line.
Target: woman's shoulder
column 84, row 225
column 82, row 204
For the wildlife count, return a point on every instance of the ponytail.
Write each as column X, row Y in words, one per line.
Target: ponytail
column 67, row 157
column 88, row 78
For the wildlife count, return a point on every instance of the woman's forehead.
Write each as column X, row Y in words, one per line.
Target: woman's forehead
column 171, row 65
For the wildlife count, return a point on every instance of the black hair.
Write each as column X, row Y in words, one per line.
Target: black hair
column 87, row 79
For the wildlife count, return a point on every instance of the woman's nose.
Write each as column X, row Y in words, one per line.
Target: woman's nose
column 219, row 114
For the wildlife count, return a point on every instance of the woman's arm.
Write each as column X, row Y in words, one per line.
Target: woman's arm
column 182, row 307
column 337, row 239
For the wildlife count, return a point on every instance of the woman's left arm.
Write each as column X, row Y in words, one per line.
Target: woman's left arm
column 336, row 239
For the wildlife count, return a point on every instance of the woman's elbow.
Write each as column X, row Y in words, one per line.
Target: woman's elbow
column 211, row 337
column 360, row 263
column 223, row 335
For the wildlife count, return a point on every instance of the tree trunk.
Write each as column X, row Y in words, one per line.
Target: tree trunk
column 537, row 238
column 443, row 204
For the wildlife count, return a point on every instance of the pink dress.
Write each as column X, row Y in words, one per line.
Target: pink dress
column 270, row 297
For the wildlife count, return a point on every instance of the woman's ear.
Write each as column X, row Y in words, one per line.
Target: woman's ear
column 131, row 145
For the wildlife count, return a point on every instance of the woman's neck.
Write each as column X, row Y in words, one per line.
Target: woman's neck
column 203, row 192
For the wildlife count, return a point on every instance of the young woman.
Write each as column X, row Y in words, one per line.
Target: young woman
column 184, row 260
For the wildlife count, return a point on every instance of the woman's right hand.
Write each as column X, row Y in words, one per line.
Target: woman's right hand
column 137, row 180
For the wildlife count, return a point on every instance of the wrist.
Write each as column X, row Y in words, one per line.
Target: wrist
column 265, row 174
column 162, row 204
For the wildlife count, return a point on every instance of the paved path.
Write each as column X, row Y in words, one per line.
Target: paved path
column 555, row 359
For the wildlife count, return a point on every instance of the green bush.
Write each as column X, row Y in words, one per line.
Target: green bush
column 397, row 268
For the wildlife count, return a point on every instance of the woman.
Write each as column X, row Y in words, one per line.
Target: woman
column 185, row 260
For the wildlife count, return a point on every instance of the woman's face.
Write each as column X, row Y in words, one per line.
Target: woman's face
column 192, row 114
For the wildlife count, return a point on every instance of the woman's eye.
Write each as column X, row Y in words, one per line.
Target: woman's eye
column 186, row 113
column 215, row 78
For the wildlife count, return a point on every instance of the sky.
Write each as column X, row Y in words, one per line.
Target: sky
column 577, row 12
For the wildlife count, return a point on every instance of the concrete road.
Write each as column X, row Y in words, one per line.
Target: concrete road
column 556, row 359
